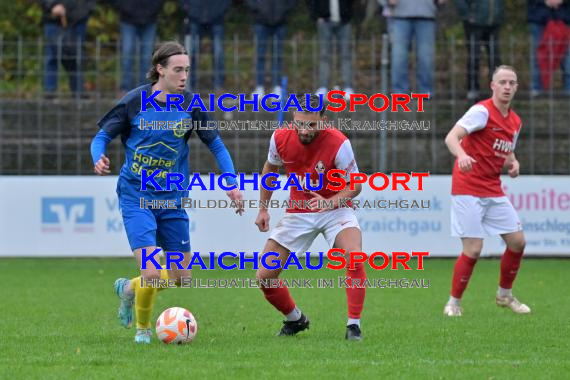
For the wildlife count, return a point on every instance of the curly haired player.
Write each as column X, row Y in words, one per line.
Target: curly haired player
column 151, row 150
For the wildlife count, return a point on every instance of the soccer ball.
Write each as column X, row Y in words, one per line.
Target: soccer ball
column 176, row 325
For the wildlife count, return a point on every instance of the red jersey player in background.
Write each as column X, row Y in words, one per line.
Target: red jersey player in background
column 310, row 150
column 483, row 141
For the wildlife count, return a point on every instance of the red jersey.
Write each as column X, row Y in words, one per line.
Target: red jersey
column 329, row 150
column 492, row 137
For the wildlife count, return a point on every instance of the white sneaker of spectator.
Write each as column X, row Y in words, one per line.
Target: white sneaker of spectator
column 259, row 91
column 322, row 90
column 277, row 91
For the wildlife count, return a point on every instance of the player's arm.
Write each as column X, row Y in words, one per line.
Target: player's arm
column 512, row 165
column 262, row 220
column 264, row 194
column 474, row 120
column 111, row 125
column 271, row 166
column 215, row 144
column 346, row 162
column 453, row 140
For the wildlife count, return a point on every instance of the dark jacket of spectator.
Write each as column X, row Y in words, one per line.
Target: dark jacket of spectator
column 75, row 10
column 271, row 12
column 481, row 12
column 539, row 13
column 205, row 12
column 321, row 9
column 138, row 12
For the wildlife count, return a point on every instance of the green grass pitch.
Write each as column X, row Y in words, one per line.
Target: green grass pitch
column 59, row 321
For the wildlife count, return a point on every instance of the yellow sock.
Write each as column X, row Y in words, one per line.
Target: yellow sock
column 163, row 276
column 144, row 300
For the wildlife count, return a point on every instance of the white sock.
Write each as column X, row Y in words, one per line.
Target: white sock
column 352, row 321
column 454, row 301
column 505, row 292
column 294, row 315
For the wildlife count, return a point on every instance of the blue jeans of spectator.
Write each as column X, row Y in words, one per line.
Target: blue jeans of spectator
column 216, row 33
column 67, row 46
column 136, row 39
column 343, row 34
column 263, row 33
column 402, row 32
column 536, row 32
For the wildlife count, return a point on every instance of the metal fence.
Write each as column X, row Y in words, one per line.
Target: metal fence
column 52, row 136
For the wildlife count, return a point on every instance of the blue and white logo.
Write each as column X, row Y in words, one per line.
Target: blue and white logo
column 71, row 214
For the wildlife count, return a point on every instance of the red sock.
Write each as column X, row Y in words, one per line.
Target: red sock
column 356, row 293
column 279, row 297
column 461, row 274
column 510, row 264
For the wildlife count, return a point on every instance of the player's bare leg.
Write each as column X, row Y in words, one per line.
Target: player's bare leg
column 177, row 274
column 461, row 274
column 350, row 239
column 279, row 296
column 510, row 264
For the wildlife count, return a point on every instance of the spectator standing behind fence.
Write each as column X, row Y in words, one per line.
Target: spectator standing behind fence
column 206, row 18
column 333, row 19
column 482, row 20
column 138, row 33
column 540, row 12
column 65, row 27
column 270, row 27
column 411, row 19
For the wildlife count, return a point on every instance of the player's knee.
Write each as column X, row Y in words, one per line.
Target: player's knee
column 151, row 275
column 179, row 276
column 472, row 252
column 472, row 247
column 262, row 274
column 518, row 245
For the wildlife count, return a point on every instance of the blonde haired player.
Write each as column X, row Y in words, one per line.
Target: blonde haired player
column 483, row 142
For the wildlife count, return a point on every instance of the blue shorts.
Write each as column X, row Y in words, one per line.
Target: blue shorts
column 165, row 228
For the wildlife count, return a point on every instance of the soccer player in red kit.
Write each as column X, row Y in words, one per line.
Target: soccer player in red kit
column 312, row 150
column 483, row 142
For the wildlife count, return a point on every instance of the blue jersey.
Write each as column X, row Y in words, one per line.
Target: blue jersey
column 157, row 149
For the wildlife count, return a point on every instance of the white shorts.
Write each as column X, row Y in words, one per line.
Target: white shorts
column 475, row 217
column 297, row 231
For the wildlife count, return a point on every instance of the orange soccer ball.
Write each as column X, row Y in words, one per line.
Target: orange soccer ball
column 176, row 325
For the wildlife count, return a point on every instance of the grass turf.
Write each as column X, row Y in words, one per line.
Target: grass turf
column 59, row 321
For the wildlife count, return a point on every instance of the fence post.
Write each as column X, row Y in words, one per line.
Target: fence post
column 385, row 61
column 1, row 103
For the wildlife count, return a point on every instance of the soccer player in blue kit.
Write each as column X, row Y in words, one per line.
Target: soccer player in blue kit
column 151, row 150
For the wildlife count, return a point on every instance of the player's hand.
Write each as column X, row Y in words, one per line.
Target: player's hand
column 465, row 163
column 102, row 166
column 317, row 202
column 262, row 220
column 514, row 169
column 236, row 196
column 58, row 11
